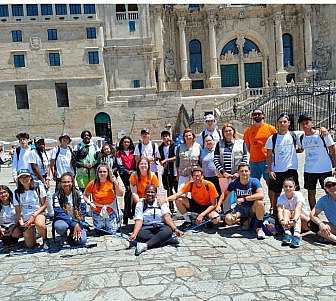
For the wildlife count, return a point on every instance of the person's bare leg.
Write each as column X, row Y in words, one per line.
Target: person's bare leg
column 183, row 205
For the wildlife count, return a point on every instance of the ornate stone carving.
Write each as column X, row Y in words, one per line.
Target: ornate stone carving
column 240, row 43
column 322, row 54
column 35, row 43
column 181, row 23
column 169, row 65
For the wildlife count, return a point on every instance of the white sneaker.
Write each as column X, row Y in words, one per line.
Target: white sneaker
column 140, row 247
column 261, row 234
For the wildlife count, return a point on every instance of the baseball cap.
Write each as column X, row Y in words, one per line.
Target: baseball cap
column 209, row 117
column 145, row 131
column 23, row 172
column 304, row 117
column 22, row 135
column 196, row 168
column 329, row 180
column 257, row 111
column 37, row 139
column 64, row 135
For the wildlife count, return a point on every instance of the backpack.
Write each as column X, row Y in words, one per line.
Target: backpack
column 140, row 149
column 274, row 137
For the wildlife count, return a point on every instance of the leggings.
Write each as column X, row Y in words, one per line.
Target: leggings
column 154, row 236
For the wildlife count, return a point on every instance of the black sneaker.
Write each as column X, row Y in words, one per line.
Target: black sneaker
column 184, row 226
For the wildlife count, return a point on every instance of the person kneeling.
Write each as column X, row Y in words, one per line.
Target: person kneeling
column 153, row 223
column 250, row 200
column 203, row 199
column 67, row 216
column 293, row 213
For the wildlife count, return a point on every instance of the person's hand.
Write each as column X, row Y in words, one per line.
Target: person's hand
column 47, row 183
column 2, row 232
column 324, row 131
column 93, row 207
column 21, row 223
column 272, row 175
column 218, row 209
column 132, row 236
column 163, row 162
column 325, row 229
column 77, row 232
column 179, row 232
column 199, row 219
column 240, row 201
column 235, row 175
column 227, row 175
column 30, row 221
column 88, row 165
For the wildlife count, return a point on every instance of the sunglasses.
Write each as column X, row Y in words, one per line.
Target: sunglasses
column 329, row 185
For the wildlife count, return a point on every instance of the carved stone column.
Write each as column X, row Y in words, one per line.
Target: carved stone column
column 214, row 78
column 159, row 45
column 308, row 43
column 240, row 44
column 280, row 73
column 185, row 80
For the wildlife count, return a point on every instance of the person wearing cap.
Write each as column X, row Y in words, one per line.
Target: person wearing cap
column 202, row 201
column 148, row 149
column 255, row 138
column 30, row 202
column 210, row 128
column 320, row 156
column 85, row 160
column 21, row 155
column 282, row 159
column 61, row 158
column 249, row 198
column 327, row 205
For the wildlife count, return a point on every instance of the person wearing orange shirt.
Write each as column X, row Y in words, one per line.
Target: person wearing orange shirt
column 140, row 179
column 103, row 191
column 202, row 201
column 255, row 138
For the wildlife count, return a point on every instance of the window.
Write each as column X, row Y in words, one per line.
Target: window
column 120, row 8
column 194, row 7
column 197, row 84
column 249, row 46
column 91, row 33
column 21, row 95
column 131, row 25
column 230, row 47
column 46, row 9
column 287, row 41
column 136, row 83
column 62, row 97
column 195, row 51
column 17, row 36
column 32, row 9
column 19, row 60
column 17, row 10
column 52, row 34
column 89, row 8
column 54, row 59
column 4, row 11
column 93, row 57
column 61, row 9
column 132, row 7
column 75, row 9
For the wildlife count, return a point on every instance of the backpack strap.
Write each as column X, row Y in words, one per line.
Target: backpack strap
column 140, row 149
column 294, row 138
column 274, row 137
column 18, row 149
column 203, row 137
column 153, row 147
column 301, row 139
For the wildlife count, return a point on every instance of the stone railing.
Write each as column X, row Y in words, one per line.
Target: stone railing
column 133, row 15
column 121, row 16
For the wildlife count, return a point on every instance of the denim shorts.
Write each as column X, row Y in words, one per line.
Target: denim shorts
column 259, row 169
column 109, row 224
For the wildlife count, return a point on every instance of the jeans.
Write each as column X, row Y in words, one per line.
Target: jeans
column 61, row 228
column 258, row 170
column 110, row 224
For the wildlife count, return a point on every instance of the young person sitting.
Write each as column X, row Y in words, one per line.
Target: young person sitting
column 153, row 223
column 9, row 230
column 326, row 204
column 66, row 203
column 30, row 202
column 202, row 201
column 293, row 213
column 250, row 200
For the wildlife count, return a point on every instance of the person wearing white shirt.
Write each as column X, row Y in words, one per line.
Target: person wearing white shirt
column 210, row 129
column 320, row 156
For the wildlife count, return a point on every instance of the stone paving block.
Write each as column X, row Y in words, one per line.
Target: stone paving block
column 60, row 285
column 86, row 295
column 184, row 272
column 319, row 281
column 130, row 278
column 99, row 281
column 114, row 294
column 175, row 290
column 144, row 292
column 297, row 271
column 244, row 297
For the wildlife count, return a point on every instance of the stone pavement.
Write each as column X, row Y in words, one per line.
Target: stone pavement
column 224, row 264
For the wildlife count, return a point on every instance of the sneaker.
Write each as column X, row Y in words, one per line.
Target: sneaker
column 173, row 241
column 296, row 242
column 132, row 244
column 45, row 245
column 140, row 248
column 286, row 239
column 184, row 226
column 261, row 234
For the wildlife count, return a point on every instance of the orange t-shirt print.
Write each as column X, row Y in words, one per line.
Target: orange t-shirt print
column 202, row 195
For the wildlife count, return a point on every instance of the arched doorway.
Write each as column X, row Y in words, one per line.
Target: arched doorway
column 103, row 126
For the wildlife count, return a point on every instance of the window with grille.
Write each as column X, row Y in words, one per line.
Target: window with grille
column 62, row 97
column 91, row 32
column 32, row 9
column 89, row 8
column 52, row 34
column 4, row 11
column 54, row 59
column 21, row 96
column 17, row 36
column 17, row 10
column 75, row 9
column 61, row 9
column 93, row 57
column 19, row 60
column 46, row 9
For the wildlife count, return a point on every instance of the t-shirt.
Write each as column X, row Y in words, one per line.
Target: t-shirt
column 208, row 165
column 63, row 162
column 214, row 133
column 29, row 201
column 152, row 214
column 102, row 193
column 255, row 138
column 328, row 205
column 242, row 190
column 317, row 159
column 147, row 151
column 35, row 159
column 23, row 162
column 203, row 195
column 143, row 182
column 68, row 201
column 7, row 215
column 290, row 204
column 284, row 153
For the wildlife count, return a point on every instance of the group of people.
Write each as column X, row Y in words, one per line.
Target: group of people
column 210, row 178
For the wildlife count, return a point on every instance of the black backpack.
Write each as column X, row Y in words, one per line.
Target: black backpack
column 140, row 149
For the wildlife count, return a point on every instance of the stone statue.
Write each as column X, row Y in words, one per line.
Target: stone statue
column 169, row 65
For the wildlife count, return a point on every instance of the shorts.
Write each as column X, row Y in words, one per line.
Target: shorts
column 245, row 211
column 276, row 185
column 310, row 179
column 259, row 169
column 110, row 224
column 195, row 207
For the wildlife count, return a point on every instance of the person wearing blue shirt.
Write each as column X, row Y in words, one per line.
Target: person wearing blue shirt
column 326, row 204
column 250, row 200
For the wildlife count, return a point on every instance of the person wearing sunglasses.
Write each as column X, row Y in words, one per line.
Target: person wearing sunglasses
column 327, row 205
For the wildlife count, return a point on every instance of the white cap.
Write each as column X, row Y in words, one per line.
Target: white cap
column 209, row 117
